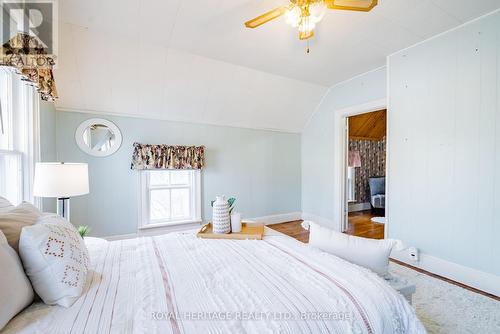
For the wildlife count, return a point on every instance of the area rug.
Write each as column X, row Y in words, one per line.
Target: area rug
column 380, row 220
column 446, row 308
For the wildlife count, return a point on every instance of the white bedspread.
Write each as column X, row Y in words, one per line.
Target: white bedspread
column 177, row 283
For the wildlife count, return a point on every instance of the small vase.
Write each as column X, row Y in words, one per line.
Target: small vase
column 236, row 222
column 221, row 221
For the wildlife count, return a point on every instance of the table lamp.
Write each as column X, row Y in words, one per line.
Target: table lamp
column 61, row 180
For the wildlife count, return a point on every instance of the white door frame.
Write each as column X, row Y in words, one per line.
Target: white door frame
column 341, row 151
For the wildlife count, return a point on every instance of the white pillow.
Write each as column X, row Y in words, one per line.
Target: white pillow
column 5, row 205
column 15, row 289
column 369, row 253
column 55, row 259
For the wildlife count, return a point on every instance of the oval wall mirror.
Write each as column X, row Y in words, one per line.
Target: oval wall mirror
column 98, row 137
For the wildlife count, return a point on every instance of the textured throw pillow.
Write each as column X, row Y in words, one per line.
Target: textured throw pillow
column 369, row 253
column 15, row 288
column 5, row 205
column 55, row 259
column 13, row 221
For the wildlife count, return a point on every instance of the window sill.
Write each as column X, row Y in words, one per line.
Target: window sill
column 169, row 224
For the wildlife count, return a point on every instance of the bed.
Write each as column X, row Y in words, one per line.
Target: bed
column 177, row 283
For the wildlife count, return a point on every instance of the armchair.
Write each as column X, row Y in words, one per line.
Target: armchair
column 377, row 193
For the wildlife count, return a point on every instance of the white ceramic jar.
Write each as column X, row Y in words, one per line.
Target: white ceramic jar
column 221, row 221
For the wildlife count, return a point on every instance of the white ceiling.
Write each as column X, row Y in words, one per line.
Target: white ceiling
column 195, row 61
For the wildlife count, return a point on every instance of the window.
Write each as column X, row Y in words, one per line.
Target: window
column 169, row 197
column 10, row 159
column 18, row 136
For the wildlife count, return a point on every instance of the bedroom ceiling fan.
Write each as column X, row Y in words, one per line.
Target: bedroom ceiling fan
column 305, row 14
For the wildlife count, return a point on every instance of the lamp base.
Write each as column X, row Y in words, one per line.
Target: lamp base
column 63, row 207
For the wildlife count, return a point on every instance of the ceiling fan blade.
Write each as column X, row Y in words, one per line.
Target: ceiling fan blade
column 266, row 17
column 306, row 35
column 357, row 5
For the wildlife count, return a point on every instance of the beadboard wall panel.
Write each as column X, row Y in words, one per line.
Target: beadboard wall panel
column 444, row 145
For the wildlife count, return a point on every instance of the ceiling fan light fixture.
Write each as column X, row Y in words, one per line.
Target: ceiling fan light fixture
column 305, row 14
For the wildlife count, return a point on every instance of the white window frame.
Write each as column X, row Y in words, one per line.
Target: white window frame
column 23, row 127
column 144, row 201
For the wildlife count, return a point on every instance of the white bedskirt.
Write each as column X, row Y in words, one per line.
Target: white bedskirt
column 177, row 283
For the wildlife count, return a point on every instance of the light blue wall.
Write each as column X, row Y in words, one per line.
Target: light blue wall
column 444, row 145
column 48, row 142
column 318, row 164
column 260, row 168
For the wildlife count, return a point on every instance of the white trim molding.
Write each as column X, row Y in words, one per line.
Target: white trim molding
column 96, row 112
column 354, row 207
column 156, row 231
column 340, row 157
column 320, row 220
column 276, row 219
column 144, row 200
column 469, row 276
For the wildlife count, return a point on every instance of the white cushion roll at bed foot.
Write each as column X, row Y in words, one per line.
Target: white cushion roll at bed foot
column 369, row 253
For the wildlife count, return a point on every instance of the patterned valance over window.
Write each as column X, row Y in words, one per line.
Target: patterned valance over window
column 167, row 157
column 28, row 56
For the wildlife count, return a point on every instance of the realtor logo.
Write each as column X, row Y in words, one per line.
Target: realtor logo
column 36, row 18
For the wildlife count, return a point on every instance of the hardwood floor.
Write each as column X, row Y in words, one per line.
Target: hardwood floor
column 292, row 229
column 360, row 225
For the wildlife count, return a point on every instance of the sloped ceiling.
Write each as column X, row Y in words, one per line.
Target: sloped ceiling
column 195, row 61
column 369, row 126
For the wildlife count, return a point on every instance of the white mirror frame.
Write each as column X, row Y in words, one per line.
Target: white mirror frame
column 85, row 124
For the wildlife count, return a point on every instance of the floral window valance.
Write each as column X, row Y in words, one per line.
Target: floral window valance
column 28, row 56
column 147, row 156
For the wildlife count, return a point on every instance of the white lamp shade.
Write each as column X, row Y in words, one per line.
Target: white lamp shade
column 56, row 179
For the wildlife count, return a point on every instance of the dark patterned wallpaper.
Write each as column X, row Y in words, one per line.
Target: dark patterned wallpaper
column 372, row 153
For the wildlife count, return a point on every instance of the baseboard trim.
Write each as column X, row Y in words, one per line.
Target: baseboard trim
column 276, row 219
column 318, row 219
column 358, row 207
column 121, row 236
column 154, row 231
column 474, row 278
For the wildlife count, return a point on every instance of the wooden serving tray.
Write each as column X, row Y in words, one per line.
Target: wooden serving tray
column 253, row 231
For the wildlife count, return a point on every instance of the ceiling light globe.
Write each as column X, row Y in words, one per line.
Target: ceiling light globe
column 292, row 16
column 317, row 11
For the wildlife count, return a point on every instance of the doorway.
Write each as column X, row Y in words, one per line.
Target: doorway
column 365, row 173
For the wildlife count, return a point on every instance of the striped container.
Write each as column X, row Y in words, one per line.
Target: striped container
column 221, row 220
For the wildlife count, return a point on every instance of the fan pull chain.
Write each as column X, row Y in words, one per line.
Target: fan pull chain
column 307, row 48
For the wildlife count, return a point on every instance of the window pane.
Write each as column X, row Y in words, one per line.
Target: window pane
column 179, row 177
column 159, row 178
column 10, row 177
column 180, row 203
column 160, row 204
